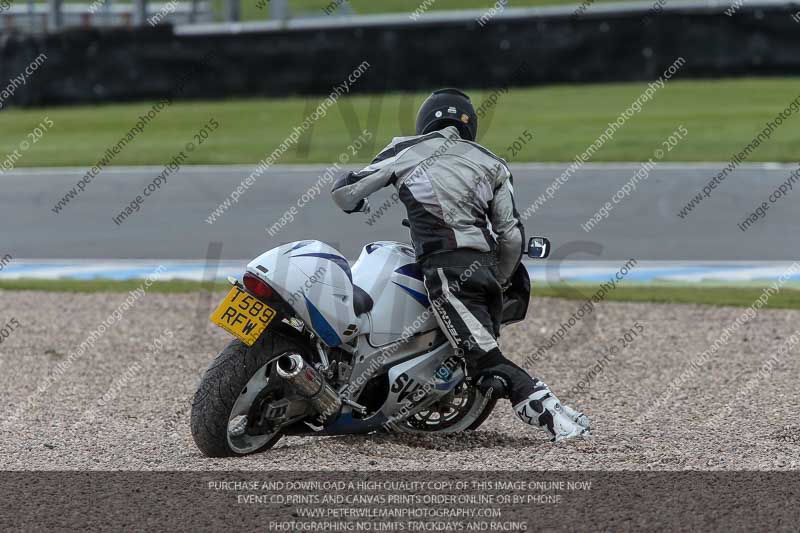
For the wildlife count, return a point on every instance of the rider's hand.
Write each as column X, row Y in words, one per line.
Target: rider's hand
column 361, row 207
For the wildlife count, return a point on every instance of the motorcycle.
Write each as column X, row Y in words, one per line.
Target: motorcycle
column 324, row 348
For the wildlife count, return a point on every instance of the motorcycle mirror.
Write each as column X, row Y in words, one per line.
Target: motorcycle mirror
column 538, row 247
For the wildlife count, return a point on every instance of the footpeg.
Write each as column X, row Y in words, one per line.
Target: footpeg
column 356, row 406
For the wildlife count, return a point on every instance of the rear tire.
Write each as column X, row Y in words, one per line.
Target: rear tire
column 221, row 385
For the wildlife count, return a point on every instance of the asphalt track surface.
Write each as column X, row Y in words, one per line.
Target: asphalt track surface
column 171, row 223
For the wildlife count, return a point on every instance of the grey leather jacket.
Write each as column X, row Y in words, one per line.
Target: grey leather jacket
column 452, row 189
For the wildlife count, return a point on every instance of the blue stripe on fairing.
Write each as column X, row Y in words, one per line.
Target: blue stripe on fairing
column 446, row 385
column 322, row 326
column 340, row 261
column 412, row 270
column 346, row 424
column 418, row 296
column 296, row 246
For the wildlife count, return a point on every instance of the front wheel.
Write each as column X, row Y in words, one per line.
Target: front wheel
column 235, row 387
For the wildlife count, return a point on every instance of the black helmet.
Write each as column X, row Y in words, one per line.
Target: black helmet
column 448, row 107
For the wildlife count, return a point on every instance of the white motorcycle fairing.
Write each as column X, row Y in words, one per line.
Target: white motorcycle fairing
column 389, row 273
column 316, row 280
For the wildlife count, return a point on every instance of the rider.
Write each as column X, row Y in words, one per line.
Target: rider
column 452, row 188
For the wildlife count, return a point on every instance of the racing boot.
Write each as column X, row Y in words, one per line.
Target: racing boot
column 542, row 408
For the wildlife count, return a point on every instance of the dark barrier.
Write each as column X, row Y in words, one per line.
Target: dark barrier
column 148, row 63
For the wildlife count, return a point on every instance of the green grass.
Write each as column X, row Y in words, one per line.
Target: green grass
column 736, row 296
column 108, row 285
column 315, row 8
column 250, row 10
column 363, row 7
column 721, row 116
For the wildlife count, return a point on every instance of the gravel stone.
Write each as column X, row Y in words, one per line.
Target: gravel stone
column 144, row 425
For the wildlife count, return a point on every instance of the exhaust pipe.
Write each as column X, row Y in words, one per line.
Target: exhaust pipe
column 308, row 383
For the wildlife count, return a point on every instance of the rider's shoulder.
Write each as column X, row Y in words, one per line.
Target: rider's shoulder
column 402, row 143
column 494, row 160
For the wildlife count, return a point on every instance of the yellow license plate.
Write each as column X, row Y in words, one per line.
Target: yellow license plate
column 243, row 315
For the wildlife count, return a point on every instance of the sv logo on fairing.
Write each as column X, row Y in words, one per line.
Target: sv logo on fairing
column 405, row 386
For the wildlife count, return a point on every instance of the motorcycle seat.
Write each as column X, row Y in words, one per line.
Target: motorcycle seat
column 362, row 302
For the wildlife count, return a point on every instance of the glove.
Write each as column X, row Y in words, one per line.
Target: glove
column 361, row 207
